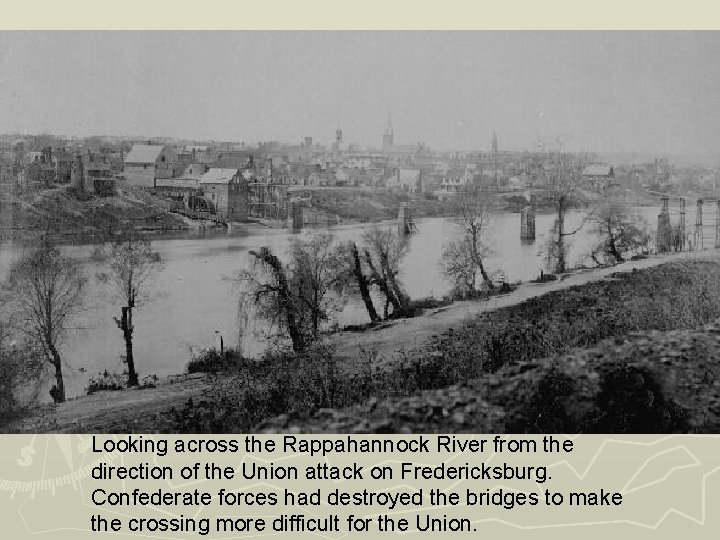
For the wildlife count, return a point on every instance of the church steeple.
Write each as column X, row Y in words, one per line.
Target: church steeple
column 388, row 134
column 494, row 143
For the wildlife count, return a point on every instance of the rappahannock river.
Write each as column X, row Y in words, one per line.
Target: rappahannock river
column 194, row 300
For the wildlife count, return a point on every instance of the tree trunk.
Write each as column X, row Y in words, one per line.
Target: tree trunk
column 286, row 300
column 390, row 279
column 612, row 248
column 316, row 312
column 561, row 264
column 363, row 285
column 127, row 328
column 479, row 263
column 382, row 284
column 59, row 394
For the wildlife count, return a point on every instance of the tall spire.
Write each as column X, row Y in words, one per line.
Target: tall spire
column 388, row 142
column 494, row 143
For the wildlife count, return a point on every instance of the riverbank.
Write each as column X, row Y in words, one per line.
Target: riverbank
column 403, row 335
column 64, row 215
column 429, row 353
column 633, row 352
column 363, row 205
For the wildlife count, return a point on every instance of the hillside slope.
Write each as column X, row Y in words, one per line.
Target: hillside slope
column 64, row 211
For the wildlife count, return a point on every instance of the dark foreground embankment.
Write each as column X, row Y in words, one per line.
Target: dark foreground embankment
column 620, row 355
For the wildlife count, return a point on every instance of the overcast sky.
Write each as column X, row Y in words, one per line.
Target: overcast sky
column 599, row 91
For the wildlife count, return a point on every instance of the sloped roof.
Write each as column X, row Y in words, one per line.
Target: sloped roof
column 597, row 170
column 196, row 147
column 218, row 176
column 143, row 153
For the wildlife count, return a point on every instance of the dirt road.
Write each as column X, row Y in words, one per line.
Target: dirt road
column 388, row 340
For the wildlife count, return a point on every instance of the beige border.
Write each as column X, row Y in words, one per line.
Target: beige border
column 368, row 14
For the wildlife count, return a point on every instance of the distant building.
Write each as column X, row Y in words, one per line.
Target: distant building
column 343, row 177
column 145, row 163
column 40, row 171
column 458, row 180
column 227, row 192
column 77, row 173
column 63, row 162
column 194, row 170
column 407, row 180
column 598, row 172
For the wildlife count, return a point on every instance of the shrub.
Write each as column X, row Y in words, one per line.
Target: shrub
column 632, row 401
column 212, row 361
column 18, row 365
column 9, row 406
column 106, row 381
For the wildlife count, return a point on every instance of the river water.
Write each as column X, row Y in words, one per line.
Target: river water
column 194, row 299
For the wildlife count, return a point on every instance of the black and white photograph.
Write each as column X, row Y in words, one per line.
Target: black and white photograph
column 345, row 231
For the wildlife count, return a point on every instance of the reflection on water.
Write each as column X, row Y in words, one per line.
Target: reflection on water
column 194, row 297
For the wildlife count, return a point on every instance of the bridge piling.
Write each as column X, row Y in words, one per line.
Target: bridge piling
column 717, row 224
column 296, row 217
column 682, row 224
column 527, row 224
column 405, row 224
column 663, row 239
column 699, row 226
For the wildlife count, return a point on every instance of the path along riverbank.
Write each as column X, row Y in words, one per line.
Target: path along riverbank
column 384, row 343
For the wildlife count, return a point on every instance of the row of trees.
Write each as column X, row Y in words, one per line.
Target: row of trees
column 302, row 295
column 45, row 289
column 620, row 232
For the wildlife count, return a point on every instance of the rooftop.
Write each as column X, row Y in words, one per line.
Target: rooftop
column 597, row 170
column 143, row 153
column 218, row 176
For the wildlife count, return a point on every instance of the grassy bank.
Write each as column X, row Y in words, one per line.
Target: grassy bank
column 507, row 370
column 63, row 211
column 371, row 205
column 368, row 205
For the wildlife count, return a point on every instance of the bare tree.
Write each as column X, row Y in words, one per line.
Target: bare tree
column 297, row 297
column 564, row 172
column 463, row 257
column 384, row 250
column 316, row 269
column 621, row 233
column 131, row 265
column 363, row 283
column 268, row 289
column 353, row 279
column 46, row 288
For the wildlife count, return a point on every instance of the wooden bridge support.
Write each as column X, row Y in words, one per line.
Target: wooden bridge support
column 405, row 224
column 717, row 224
column 296, row 217
column 682, row 224
column 699, row 226
column 527, row 224
column 663, row 239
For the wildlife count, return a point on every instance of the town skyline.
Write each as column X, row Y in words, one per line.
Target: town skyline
column 597, row 91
